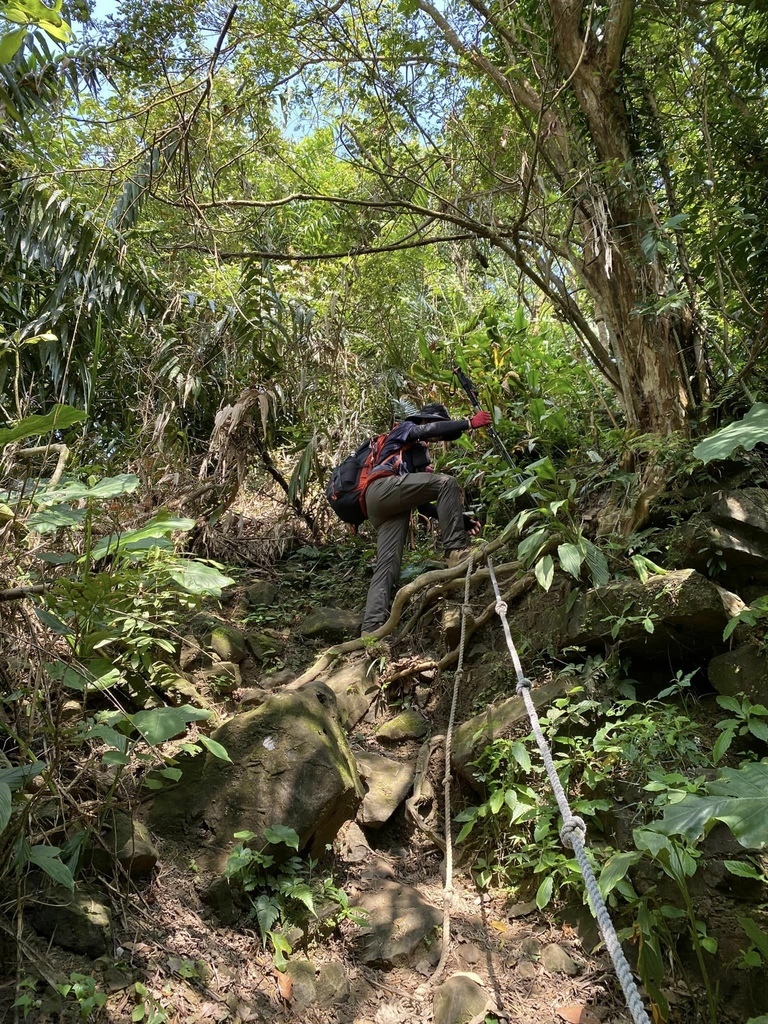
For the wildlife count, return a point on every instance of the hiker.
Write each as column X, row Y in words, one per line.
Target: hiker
column 403, row 480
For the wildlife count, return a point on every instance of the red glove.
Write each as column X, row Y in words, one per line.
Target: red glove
column 480, row 419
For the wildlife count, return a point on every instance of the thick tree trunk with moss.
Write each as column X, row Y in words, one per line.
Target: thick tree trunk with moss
column 653, row 349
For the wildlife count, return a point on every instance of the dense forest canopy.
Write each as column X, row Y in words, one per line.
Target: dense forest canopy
column 207, row 197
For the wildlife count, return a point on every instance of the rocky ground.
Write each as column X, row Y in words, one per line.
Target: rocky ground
column 166, row 940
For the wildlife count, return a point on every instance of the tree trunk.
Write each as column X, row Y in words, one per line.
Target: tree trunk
column 627, row 280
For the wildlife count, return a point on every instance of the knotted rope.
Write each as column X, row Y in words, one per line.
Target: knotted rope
column 574, row 830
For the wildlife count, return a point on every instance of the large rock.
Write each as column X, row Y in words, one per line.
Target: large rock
column 744, row 670
column 354, row 689
column 388, row 782
column 261, row 593
column 290, row 765
column 729, row 535
column 683, row 609
column 408, row 725
column 331, row 624
column 459, row 1000
column 498, row 721
column 76, row 921
column 399, row 921
column 127, row 843
column 228, row 643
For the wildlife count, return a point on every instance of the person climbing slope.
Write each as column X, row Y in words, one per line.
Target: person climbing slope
column 402, row 480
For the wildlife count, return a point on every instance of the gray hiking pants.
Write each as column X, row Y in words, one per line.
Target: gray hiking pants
column 390, row 502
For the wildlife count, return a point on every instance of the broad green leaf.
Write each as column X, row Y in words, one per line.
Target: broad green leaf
column 160, row 724
column 5, row 805
column 160, row 526
column 10, row 43
column 544, row 892
column 109, row 487
column 96, row 675
column 544, row 571
column 282, row 834
column 115, row 739
column 571, row 557
column 115, row 757
column 518, row 751
column 615, row 868
column 53, row 622
column 722, row 743
column 737, row 797
column 598, row 564
column 216, row 748
column 729, row 704
column 15, row 778
column 47, row 858
column 530, row 547
column 197, row 578
column 60, row 417
column 755, row 934
column 57, row 517
column 745, row 433
column 743, row 869
column 282, row 949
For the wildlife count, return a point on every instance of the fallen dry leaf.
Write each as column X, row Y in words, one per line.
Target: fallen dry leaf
column 576, row 1014
column 284, row 985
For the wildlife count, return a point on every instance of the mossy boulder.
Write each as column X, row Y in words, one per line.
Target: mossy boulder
column 228, row 643
column 290, row 765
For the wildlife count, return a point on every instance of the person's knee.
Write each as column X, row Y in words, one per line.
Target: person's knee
column 448, row 485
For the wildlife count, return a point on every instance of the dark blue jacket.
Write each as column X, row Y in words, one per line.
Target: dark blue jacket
column 410, row 439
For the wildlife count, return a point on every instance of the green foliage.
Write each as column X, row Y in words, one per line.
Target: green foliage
column 282, row 895
column 737, row 797
column 82, row 988
column 553, row 504
column 148, row 1009
column 752, row 429
column 749, row 720
column 756, row 613
column 59, row 418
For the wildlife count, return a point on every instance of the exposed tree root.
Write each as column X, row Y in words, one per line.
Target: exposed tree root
column 402, row 598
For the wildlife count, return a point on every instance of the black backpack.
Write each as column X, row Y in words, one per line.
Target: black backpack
column 346, row 488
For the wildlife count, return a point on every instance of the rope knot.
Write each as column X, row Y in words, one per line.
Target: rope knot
column 501, row 607
column 523, row 684
column 573, row 827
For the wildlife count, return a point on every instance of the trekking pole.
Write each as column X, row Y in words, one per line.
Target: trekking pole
column 474, row 401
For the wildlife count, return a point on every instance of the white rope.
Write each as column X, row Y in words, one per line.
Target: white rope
column 574, row 831
column 448, row 883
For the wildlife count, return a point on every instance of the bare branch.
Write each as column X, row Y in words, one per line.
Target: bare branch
column 519, row 92
column 616, row 30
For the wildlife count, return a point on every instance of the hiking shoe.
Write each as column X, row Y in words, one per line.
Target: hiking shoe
column 458, row 556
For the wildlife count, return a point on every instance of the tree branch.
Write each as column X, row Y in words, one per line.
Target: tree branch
column 616, row 31
column 520, row 92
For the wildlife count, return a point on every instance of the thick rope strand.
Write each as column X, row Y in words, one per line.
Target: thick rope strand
column 448, row 883
column 574, row 830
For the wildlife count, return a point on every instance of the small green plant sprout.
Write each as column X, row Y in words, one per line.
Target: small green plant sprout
column 287, row 893
column 679, row 686
column 748, row 616
column 757, row 953
column 26, row 998
column 748, row 720
column 626, row 618
column 82, row 988
column 148, row 1009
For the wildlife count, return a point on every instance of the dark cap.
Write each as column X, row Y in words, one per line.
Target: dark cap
column 431, row 412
